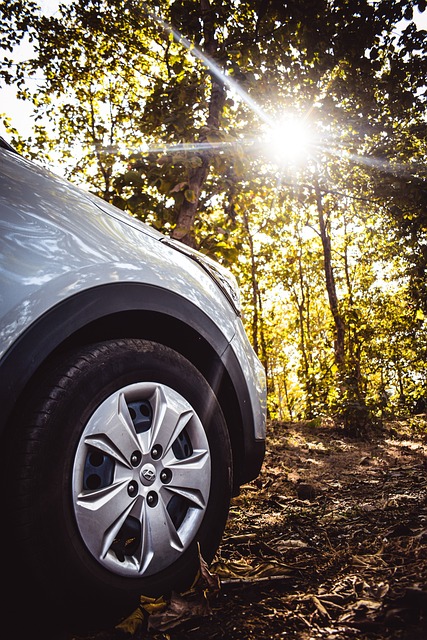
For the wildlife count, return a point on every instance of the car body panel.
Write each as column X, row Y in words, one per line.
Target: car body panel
column 55, row 243
column 69, row 260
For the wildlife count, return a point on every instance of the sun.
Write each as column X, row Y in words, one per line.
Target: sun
column 288, row 140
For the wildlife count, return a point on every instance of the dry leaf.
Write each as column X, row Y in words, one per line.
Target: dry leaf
column 179, row 610
column 132, row 623
column 209, row 581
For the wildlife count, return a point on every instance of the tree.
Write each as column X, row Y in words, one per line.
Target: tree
column 160, row 107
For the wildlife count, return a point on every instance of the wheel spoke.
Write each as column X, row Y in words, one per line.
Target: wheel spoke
column 191, row 477
column 171, row 415
column 159, row 537
column 111, row 430
column 112, row 505
column 192, row 495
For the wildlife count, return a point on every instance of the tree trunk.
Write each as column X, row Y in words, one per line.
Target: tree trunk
column 339, row 345
column 352, row 411
column 254, row 287
column 196, row 177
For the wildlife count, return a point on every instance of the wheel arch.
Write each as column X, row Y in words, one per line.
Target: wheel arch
column 126, row 310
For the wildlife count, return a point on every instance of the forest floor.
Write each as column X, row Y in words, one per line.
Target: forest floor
column 330, row 542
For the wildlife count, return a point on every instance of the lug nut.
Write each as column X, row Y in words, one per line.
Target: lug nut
column 156, row 452
column 132, row 488
column 152, row 499
column 166, row 476
column 135, row 458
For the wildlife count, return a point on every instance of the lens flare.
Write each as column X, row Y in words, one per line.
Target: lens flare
column 288, row 140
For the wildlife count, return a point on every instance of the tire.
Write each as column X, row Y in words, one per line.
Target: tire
column 121, row 469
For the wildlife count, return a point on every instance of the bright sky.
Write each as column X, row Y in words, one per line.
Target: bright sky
column 20, row 111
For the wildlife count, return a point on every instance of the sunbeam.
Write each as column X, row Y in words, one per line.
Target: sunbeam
column 180, row 147
column 381, row 164
column 221, row 75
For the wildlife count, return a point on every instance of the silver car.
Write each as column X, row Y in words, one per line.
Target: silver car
column 132, row 404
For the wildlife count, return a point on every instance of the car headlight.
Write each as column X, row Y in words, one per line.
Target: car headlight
column 222, row 276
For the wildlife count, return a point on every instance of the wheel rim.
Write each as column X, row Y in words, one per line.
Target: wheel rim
column 141, row 479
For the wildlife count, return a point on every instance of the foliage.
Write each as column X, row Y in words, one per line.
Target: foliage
column 161, row 107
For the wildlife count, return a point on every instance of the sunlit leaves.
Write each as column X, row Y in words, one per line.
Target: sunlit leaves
column 131, row 112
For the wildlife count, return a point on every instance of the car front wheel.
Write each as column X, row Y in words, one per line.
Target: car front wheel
column 122, row 466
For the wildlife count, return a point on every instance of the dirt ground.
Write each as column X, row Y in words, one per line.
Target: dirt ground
column 330, row 542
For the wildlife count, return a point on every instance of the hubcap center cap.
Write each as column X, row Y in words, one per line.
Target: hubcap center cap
column 148, row 474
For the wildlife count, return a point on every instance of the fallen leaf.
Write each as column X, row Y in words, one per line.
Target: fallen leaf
column 132, row 623
column 207, row 580
column 179, row 610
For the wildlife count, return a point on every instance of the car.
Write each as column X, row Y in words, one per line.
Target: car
column 133, row 405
